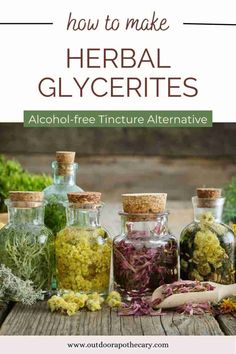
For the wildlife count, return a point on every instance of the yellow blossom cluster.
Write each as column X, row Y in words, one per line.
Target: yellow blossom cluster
column 94, row 302
column 1, row 225
column 83, row 259
column 207, row 220
column 70, row 303
column 227, row 305
column 208, row 252
column 114, row 299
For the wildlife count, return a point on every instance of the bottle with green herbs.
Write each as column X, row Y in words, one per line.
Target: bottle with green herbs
column 207, row 245
column 83, row 247
column 145, row 254
column 64, row 176
column 26, row 244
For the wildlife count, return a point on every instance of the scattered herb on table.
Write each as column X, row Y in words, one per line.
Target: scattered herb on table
column 71, row 302
column 227, row 305
column 195, row 309
column 12, row 288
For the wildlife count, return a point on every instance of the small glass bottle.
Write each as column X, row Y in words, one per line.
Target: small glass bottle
column 145, row 254
column 26, row 244
column 207, row 245
column 83, row 247
column 64, row 175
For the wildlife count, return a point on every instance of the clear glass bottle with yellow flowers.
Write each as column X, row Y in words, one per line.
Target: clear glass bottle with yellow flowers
column 83, row 247
column 207, row 245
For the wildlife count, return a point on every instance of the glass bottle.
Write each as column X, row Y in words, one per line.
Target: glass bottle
column 145, row 254
column 83, row 247
column 26, row 244
column 207, row 245
column 64, row 175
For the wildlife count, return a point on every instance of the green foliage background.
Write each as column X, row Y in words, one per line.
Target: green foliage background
column 229, row 215
column 14, row 178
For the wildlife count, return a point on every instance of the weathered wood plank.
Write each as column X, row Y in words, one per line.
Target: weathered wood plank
column 4, row 309
column 228, row 324
column 37, row 320
column 152, row 326
column 177, row 324
column 196, row 325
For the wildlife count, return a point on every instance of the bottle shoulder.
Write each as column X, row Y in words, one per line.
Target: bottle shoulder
column 142, row 239
column 20, row 230
column 77, row 231
column 59, row 192
column 220, row 229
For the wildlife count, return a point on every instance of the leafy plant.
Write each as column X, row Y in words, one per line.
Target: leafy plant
column 55, row 214
column 14, row 177
column 229, row 215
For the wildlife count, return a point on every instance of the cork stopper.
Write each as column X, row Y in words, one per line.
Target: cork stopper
column 210, row 193
column 26, row 199
column 65, row 160
column 17, row 196
column 141, row 203
column 65, row 157
column 84, row 198
column 208, row 197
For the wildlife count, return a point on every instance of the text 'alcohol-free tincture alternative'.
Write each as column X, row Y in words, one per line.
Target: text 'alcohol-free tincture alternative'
column 145, row 253
column 83, row 247
column 207, row 245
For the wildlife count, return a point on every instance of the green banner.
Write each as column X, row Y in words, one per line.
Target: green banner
column 117, row 119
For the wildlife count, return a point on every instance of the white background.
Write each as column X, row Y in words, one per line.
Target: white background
column 29, row 53
column 177, row 344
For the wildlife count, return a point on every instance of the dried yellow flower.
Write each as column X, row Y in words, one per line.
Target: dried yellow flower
column 83, row 259
column 114, row 299
column 227, row 305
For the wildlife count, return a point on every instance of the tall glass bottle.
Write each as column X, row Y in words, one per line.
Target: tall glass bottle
column 26, row 244
column 145, row 254
column 64, row 176
column 83, row 247
column 207, row 245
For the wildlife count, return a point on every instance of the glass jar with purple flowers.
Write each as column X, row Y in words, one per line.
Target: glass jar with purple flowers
column 145, row 253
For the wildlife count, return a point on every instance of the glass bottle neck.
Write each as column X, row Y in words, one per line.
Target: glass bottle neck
column 64, row 174
column 136, row 227
column 83, row 218
column 202, row 206
column 68, row 180
column 33, row 216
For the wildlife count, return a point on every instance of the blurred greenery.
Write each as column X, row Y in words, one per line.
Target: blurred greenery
column 14, row 178
column 229, row 214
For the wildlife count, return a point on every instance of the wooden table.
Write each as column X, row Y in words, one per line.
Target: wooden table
column 37, row 320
